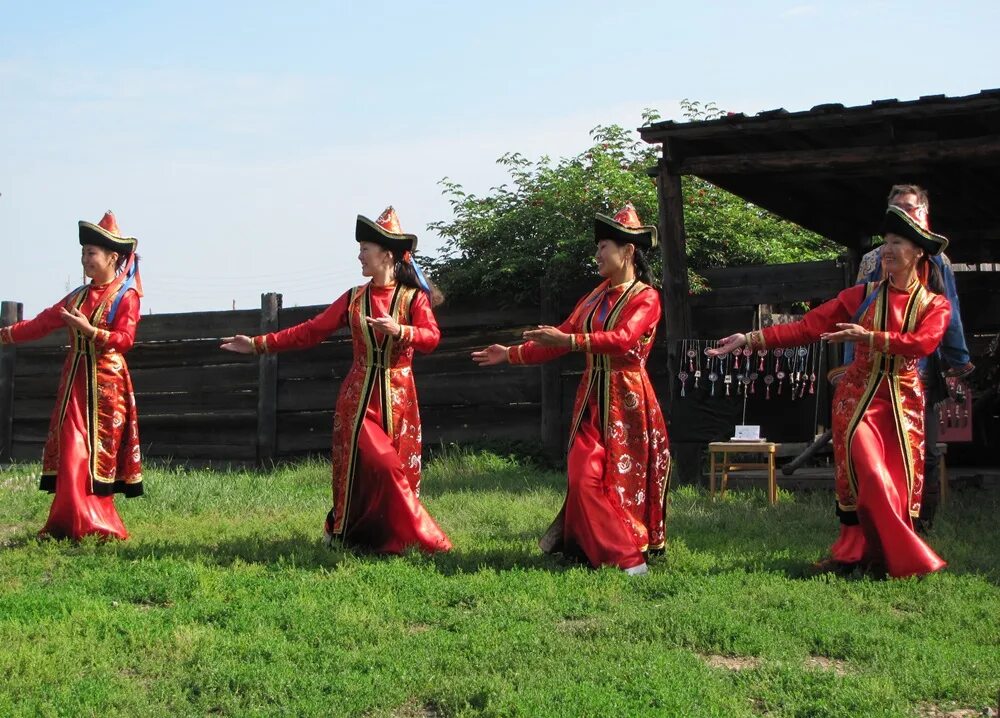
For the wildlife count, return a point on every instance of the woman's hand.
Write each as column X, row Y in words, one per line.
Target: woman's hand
column 75, row 319
column 847, row 333
column 493, row 354
column 384, row 325
column 547, row 336
column 728, row 345
column 241, row 344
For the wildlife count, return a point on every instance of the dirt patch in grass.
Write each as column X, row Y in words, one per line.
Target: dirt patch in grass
column 933, row 710
column 7, row 531
column 731, row 663
column 417, row 709
column 823, row 663
column 416, row 628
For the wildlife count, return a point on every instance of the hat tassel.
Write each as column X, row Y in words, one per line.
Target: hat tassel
column 421, row 279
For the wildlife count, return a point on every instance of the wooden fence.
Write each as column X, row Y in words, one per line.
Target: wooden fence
column 199, row 403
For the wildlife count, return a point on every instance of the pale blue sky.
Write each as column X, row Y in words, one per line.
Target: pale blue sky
column 238, row 141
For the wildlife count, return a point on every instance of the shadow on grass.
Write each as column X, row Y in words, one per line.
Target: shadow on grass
column 513, row 481
column 302, row 551
column 751, row 535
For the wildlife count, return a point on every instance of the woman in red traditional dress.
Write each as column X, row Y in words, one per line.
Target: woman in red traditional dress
column 619, row 457
column 878, row 405
column 92, row 449
column 376, row 423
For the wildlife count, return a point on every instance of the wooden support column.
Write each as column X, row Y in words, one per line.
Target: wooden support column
column 553, row 437
column 10, row 313
column 267, row 384
column 676, row 304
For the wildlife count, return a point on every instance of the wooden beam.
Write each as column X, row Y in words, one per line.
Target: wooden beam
column 676, row 306
column 267, row 388
column 10, row 313
column 980, row 150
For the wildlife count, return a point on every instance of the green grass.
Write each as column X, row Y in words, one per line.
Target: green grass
column 225, row 603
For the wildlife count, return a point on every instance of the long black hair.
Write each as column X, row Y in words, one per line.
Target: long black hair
column 934, row 277
column 642, row 270
column 407, row 276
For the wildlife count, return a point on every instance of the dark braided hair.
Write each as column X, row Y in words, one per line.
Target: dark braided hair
column 407, row 276
column 642, row 270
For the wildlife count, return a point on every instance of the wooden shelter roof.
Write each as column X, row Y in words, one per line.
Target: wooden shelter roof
column 829, row 169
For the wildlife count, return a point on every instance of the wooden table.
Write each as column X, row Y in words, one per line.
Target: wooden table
column 719, row 460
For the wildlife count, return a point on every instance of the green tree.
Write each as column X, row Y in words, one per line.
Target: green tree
column 539, row 226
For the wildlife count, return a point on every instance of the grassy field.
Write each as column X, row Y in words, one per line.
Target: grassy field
column 224, row 603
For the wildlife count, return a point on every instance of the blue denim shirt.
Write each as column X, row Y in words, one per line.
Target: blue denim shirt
column 953, row 349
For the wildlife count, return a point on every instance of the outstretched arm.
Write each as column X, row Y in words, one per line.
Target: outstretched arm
column 302, row 336
column 31, row 329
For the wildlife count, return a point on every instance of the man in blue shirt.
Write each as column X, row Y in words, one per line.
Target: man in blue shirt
column 952, row 353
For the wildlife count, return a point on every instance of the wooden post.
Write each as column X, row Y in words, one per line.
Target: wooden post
column 676, row 306
column 10, row 313
column 553, row 440
column 267, row 384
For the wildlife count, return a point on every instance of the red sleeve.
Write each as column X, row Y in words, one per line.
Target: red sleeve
column 422, row 333
column 638, row 318
column 535, row 353
column 822, row 319
column 307, row 334
column 31, row 329
column 921, row 341
column 121, row 336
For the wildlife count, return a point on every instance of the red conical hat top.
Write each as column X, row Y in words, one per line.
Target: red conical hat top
column 110, row 224
column 389, row 221
column 628, row 217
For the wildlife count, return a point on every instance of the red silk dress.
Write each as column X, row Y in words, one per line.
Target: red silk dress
column 878, row 421
column 619, row 455
column 376, row 423
column 92, row 448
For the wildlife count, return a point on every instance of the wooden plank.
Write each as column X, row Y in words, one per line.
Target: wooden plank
column 470, row 388
column 199, row 452
column 34, row 408
column 515, row 422
column 741, row 276
column 10, row 313
column 199, row 402
column 304, row 432
column 976, row 150
column 27, row 451
column 36, row 387
column 222, row 377
column 197, row 325
column 717, row 322
column 853, row 120
column 39, row 361
column 183, row 354
column 306, row 395
column 449, row 317
column 770, row 293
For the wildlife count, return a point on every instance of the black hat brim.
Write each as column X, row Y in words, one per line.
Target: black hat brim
column 368, row 231
column 605, row 227
column 898, row 222
column 99, row 237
